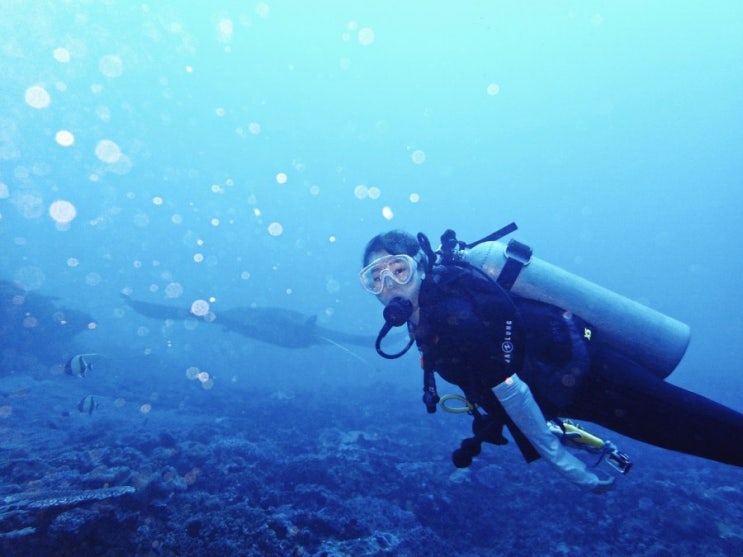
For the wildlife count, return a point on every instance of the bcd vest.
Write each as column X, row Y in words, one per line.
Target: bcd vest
column 475, row 334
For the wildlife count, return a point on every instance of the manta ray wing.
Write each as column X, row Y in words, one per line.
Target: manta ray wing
column 273, row 325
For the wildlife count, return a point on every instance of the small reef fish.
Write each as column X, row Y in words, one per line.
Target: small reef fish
column 87, row 404
column 79, row 364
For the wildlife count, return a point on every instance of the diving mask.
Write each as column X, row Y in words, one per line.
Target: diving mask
column 400, row 269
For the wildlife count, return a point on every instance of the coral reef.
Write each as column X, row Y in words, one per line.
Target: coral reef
column 360, row 477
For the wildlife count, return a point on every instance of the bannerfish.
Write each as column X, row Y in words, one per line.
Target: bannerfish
column 87, row 404
column 79, row 365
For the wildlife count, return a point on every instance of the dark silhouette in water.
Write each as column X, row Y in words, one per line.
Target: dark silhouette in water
column 274, row 325
column 34, row 324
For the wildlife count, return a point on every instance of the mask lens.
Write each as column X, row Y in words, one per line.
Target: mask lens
column 398, row 268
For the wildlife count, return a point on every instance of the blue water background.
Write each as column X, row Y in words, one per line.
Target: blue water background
column 254, row 138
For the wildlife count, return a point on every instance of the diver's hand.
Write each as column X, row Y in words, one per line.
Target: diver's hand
column 603, row 485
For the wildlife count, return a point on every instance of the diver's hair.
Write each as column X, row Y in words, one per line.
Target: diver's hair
column 395, row 242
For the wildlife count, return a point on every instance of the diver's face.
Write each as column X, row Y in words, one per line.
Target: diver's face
column 389, row 275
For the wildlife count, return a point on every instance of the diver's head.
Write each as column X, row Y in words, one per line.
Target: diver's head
column 393, row 267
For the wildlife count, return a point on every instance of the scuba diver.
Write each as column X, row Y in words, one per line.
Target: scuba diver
column 528, row 342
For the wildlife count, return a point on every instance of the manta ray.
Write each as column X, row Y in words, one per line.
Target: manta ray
column 37, row 325
column 274, row 325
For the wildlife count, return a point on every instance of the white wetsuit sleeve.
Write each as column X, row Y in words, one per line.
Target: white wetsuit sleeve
column 519, row 403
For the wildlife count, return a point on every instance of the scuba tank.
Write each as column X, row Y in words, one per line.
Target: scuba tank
column 648, row 337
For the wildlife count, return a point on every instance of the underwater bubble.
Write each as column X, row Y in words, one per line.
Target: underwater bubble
column 37, row 97
column 418, row 156
column 225, row 28
column 103, row 113
column 360, row 191
column 281, row 178
column 373, row 192
column 493, row 89
column 107, row 151
column 141, row 220
column 332, row 285
column 143, row 331
column 29, row 322
column 275, row 229
column 146, row 408
column 263, row 9
column 93, row 279
column 62, row 211
column 73, row 262
column 198, row 257
column 111, row 65
column 366, row 36
column 157, row 200
column 59, row 317
column 414, row 198
column 387, row 213
column 21, row 172
column 61, row 55
column 192, row 372
column 173, row 290
column 254, row 128
column 200, row 307
column 64, row 138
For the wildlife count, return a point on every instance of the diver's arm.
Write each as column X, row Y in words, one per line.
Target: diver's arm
column 516, row 398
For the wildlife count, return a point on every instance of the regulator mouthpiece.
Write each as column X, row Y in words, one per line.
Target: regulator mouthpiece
column 395, row 314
